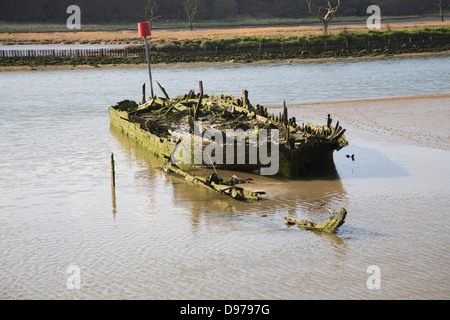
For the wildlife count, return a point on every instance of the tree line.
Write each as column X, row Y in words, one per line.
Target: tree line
column 124, row 11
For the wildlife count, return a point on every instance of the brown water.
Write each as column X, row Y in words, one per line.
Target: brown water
column 157, row 237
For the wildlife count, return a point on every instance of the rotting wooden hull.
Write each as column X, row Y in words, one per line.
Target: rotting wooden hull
column 162, row 147
column 165, row 125
column 294, row 162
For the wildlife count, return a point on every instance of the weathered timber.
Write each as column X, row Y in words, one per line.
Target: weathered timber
column 113, row 171
column 302, row 149
column 329, row 226
column 214, row 182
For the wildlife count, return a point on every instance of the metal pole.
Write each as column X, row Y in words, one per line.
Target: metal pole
column 149, row 68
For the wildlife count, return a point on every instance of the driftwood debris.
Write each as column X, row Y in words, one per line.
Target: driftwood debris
column 329, row 226
column 214, row 182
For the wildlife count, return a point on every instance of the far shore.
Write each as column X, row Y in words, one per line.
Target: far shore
column 162, row 36
column 24, row 68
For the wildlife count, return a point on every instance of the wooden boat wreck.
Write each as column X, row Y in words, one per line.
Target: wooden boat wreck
column 302, row 149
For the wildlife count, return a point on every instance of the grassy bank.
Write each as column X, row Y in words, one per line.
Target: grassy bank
column 336, row 38
column 249, row 49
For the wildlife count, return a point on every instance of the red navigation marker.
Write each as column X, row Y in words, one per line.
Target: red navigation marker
column 144, row 31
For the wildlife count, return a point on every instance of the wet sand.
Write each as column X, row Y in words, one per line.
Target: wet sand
column 418, row 120
column 409, row 122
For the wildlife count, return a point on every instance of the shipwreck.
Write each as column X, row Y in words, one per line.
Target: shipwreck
column 169, row 127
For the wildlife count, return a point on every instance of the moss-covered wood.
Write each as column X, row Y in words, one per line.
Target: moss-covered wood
column 214, row 182
column 302, row 148
column 162, row 147
column 329, row 226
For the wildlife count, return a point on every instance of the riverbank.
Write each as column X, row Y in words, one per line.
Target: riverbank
column 344, row 44
column 28, row 68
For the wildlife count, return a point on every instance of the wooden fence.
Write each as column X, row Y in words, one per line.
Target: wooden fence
column 140, row 51
column 72, row 53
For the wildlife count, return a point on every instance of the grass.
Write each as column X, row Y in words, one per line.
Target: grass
column 359, row 36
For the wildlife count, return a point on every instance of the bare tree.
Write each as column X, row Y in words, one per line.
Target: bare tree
column 191, row 10
column 441, row 4
column 150, row 11
column 324, row 14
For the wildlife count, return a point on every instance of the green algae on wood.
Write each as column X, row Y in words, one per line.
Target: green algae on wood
column 214, row 182
column 329, row 226
column 302, row 148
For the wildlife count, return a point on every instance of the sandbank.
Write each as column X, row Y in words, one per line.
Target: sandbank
column 417, row 120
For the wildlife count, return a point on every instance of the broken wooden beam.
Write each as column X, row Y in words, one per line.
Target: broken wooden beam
column 225, row 188
column 329, row 226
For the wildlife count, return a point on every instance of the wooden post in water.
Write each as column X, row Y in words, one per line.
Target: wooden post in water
column 113, row 186
column 113, row 172
column 143, row 93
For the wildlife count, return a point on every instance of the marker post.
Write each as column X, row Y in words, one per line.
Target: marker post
column 144, row 31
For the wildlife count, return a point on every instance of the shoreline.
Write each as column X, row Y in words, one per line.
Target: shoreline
column 29, row 68
column 370, row 100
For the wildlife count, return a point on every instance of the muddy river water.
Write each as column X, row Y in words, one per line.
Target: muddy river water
column 65, row 234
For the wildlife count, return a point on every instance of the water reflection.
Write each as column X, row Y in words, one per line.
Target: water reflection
column 113, row 197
